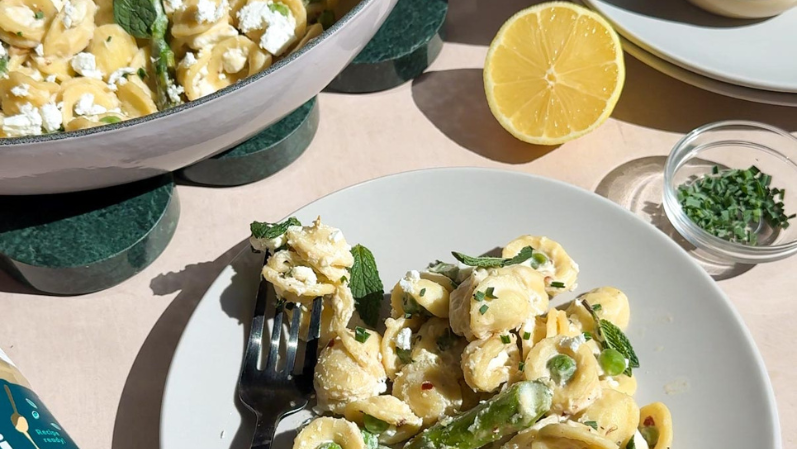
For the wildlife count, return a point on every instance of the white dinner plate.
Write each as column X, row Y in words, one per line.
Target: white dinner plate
column 709, row 84
column 696, row 354
column 752, row 53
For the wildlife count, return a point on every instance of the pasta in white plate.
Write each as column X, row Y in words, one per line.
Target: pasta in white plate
column 471, row 355
column 208, row 45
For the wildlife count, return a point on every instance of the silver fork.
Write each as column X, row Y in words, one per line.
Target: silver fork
column 274, row 393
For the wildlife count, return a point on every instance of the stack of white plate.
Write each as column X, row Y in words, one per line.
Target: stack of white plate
column 751, row 59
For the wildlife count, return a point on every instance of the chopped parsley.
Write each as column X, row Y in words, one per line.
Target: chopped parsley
column 587, row 336
column 361, row 335
column 592, row 424
column 109, row 39
column 142, row 73
column 490, row 293
column 483, row 309
column 731, row 204
column 19, row 33
column 39, row 15
column 521, row 366
column 557, row 284
column 423, row 292
column 597, row 307
column 408, row 315
column 505, row 339
column 478, row 296
column 526, row 335
column 405, row 355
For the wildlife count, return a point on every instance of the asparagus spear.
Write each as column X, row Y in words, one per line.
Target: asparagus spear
column 515, row 409
column 145, row 19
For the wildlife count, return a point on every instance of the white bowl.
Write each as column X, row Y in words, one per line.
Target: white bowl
column 746, row 9
column 169, row 140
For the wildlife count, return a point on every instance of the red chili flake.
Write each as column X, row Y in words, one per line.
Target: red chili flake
column 331, row 343
column 427, row 386
column 649, row 422
column 547, row 280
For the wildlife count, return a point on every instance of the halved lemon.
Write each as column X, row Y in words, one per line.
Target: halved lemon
column 554, row 72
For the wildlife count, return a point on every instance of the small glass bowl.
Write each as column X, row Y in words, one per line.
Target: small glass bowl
column 735, row 144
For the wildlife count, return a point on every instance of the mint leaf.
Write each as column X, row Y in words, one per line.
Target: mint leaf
column 494, row 262
column 326, row 18
column 631, row 444
column 366, row 287
column 263, row 230
column 593, row 424
column 614, row 338
column 448, row 270
column 137, row 17
column 329, row 445
column 3, row 65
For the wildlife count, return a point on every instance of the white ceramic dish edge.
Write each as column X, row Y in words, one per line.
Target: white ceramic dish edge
column 169, row 140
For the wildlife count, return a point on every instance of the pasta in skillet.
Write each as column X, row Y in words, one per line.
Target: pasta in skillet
column 462, row 350
column 215, row 44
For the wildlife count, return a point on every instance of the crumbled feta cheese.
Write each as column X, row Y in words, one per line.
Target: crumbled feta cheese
column 280, row 29
column 267, row 244
column 612, row 382
column 573, row 343
column 207, row 11
column 335, row 236
column 222, row 76
column 380, row 387
column 51, row 117
column 72, row 15
column 119, row 77
column 407, row 283
column 85, row 106
column 233, row 61
column 404, row 339
column 201, row 83
column 305, row 275
column 21, row 90
column 51, row 78
column 498, row 361
column 188, row 60
column 171, row 6
column 27, row 123
column 174, row 92
column 639, row 441
column 39, row 50
column 86, row 65
column 3, row 50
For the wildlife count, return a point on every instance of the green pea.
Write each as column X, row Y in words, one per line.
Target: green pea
column 329, row 445
column 612, row 362
column 374, row 425
column 540, row 258
column 562, row 368
column 650, row 434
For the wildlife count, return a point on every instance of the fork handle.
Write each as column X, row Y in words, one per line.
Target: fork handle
column 264, row 433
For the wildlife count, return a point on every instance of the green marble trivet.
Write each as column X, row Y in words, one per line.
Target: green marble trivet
column 76, row 243
column 266, row 153
column 405, row 45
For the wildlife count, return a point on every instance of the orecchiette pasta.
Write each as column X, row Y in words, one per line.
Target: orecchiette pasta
column 488, row 364
column 429, row 389
column 559, row 267
column 348, row 370
column 655, row 424
column 575, row 393
column 470, row 353
column 402, row 423
column 612, row 305
column 414, row 295
column 216, row 43
column 615, row 415
column 329, row 430
column 497, row 300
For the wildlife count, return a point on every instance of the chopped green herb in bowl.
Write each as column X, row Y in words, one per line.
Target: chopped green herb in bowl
column 730, row 189
column 734, row 204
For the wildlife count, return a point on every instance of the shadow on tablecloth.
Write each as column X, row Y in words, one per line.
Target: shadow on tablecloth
column 655, row 100
column 455, row 103
column 138, row 416
column 637, row 186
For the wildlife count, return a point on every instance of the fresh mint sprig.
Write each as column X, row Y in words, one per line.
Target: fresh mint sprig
column 366, row 286
column 496, row 262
